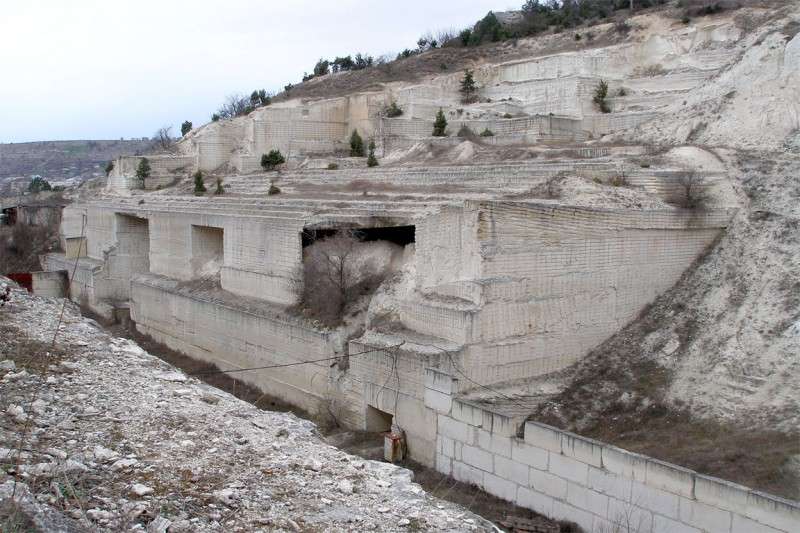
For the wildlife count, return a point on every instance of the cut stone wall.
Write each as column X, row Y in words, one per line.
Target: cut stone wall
column 392, row 381
column 527, row 129
column 600, row 487
column 163, row 169
column 261, row 258
column 50, row 284
column 85, row 281
column 233, row 335
column 530, row 288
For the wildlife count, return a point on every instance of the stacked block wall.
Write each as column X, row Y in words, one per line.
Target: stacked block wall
column 50, row 284
column 85, row 281
column 159, row 164
column 598, row 486
column 559, row 280
column 231, row 337
column 527, row 129
column 393, row 381
column 547, row 283
column 262, row 256
column 308, row 128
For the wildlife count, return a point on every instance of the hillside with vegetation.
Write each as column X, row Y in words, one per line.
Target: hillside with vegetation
column 64, row 160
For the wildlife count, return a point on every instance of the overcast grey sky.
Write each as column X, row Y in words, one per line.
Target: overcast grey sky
column 105, row 69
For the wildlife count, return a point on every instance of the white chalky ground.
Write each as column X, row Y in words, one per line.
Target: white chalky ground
column 122, row 441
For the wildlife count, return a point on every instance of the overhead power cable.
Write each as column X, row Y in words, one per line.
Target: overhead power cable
column 296, row 363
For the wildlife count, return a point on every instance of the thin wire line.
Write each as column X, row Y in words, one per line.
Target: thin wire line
column 285, row 365
column 29, row 418
column 453, row 364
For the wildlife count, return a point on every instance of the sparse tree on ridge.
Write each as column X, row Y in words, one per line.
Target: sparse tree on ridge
column 600, row 95
column 440, row 124
column 372, row 161
column 199, row 184
column 468, row 88
column 271, row 160
column 143, row 170
column 321, row 68
column 39, row 184
column 356, row 145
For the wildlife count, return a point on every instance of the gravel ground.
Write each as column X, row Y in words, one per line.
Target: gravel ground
column 119, row 440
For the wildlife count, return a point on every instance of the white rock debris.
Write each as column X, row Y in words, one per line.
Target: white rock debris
column 122, row 441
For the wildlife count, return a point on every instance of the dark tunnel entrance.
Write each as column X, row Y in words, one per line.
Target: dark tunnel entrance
column 401, row 235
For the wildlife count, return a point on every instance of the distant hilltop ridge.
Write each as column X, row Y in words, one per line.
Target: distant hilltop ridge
column 82, row 159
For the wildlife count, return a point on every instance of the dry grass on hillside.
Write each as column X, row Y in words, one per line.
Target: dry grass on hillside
column 625, row 404
column 706, row 376
column 450, row 60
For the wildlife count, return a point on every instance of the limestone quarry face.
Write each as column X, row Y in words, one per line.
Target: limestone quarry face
column 536, row 229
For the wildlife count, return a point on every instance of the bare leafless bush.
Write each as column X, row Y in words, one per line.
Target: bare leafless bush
column 235, row 105
column 618, row 181
column 653, row 70
column 446, row 36
column 692, row 192
column 335, row 277
column 13, row 518
column 627, row 520
column 466, row 133
column 163, row 139
column 21, row 245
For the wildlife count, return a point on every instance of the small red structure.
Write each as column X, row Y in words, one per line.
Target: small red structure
column 23, row 279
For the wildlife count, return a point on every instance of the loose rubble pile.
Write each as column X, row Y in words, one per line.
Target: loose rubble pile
column 121, row 441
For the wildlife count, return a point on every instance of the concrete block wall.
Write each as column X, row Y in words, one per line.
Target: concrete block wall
column 600, row 487
column 261, row 256
column 319, row 126
column 215, row 143
column 246, row 164
column 114, row 250
column 100, row 231
column 214, row 153
column 443, row 94
column 123, row 258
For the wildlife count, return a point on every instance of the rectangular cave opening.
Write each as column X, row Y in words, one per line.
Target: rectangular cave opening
column 344, row 267
column 8, row 217
column 133, row 241
column 400, row 235
column 377, row 421
column 207, row 251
